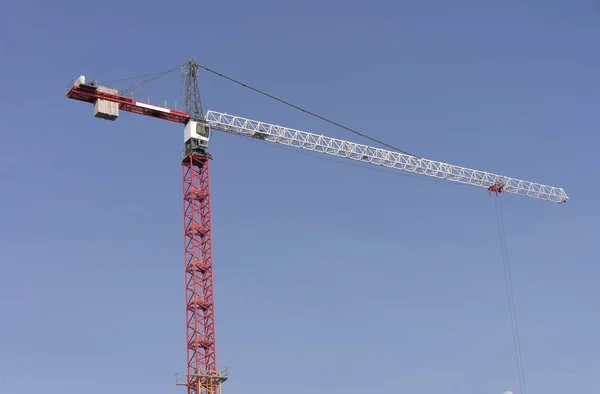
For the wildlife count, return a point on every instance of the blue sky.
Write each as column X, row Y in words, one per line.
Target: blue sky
column 330, row 278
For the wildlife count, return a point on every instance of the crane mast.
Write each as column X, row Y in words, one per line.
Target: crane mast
column 202, row 375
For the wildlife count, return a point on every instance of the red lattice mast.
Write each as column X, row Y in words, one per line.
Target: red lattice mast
column 203, row 377
column 202, row 374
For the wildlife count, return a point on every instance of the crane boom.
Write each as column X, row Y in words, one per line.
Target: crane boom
column 385, row 158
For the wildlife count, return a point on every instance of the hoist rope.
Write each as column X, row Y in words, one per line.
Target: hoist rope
column 510, row 295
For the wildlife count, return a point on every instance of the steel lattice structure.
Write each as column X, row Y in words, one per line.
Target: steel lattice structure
column 203, row 376
column 381, row 157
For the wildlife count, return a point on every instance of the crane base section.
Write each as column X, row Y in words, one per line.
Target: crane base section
column 205, row 382
column 218, row 376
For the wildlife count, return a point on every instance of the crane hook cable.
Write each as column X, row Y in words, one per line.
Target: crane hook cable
column 303, row 110
column 510, row 294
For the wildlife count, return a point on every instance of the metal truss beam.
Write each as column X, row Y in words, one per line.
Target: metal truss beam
column 380, row 157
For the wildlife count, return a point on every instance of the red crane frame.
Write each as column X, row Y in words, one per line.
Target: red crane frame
column 202, row 376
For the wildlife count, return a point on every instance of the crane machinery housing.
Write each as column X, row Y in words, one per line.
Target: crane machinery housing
column 202, row 375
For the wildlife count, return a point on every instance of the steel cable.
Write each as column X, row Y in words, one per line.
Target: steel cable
column 511, row 296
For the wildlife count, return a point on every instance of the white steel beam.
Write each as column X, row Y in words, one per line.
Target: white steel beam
column 381, row 157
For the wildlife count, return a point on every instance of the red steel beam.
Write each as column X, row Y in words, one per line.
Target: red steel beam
column 90, row 94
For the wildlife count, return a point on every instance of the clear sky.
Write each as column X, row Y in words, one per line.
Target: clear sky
column 330, row 278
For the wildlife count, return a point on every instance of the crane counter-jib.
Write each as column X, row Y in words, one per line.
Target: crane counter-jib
column 107, row 102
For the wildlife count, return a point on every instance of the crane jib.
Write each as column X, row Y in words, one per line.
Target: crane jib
column 381, row 157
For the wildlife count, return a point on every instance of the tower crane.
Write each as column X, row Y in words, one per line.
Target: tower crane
column 202, row 375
